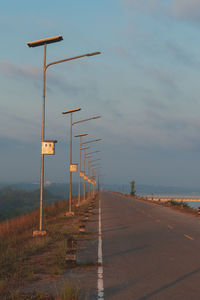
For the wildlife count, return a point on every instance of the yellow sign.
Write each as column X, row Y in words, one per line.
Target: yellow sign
column 73, row 168
column 48, row 147
column 82, row 174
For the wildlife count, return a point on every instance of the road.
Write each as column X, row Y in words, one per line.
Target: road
column 148, row 251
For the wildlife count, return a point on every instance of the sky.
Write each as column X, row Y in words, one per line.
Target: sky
column 144, row 85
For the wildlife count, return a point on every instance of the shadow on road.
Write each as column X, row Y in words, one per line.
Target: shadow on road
column 113, row 290
column 170, row 284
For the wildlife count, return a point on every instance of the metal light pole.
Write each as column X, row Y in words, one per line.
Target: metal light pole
column 88, row 171
column 84, row 148
column 78, row 122
column 70, row 213
column 79, row 184
column 33, row 44
column 44, row 43
column 87, row 142
column 92, row 166
column 88, row 178
column 70, row 178
column 89, row 162
column 93, row 180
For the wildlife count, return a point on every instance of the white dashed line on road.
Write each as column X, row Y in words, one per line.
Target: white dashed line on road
column 189, row 237
column 170, row 227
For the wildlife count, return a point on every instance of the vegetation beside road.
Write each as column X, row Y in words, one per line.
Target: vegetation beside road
column 25, row 259
column 181, row 206
column 15, row 202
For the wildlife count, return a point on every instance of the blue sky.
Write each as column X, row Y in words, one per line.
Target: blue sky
column 145, row 85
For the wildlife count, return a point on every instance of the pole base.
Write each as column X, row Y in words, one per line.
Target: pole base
column 69, row 214
column 39, row 233
column 82, row 228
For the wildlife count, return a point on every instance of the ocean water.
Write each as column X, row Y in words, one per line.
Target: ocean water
column 193, row 204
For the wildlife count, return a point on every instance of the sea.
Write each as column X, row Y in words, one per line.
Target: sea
column 194, row 204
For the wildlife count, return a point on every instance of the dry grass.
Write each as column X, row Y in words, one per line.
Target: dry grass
column 17, row 245
column 24, row 257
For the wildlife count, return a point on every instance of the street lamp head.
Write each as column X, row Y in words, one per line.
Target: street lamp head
column 85, row 120
column 93, row 152
column 95, row 160
column 93, row 53
column 41, row 42
column 92, row 141
column 70, row 111
column 81, row 134
column 84, row 148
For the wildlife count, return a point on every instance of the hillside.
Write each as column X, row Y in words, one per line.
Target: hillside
column 15, row 202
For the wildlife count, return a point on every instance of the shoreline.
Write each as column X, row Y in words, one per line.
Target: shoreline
column 178, row 206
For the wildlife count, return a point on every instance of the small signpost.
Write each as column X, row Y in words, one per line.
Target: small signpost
column 73, row 167
column 48, row 147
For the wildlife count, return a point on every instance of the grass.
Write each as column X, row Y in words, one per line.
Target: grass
column 179, row 204
column 23, row 257
column 68, row 292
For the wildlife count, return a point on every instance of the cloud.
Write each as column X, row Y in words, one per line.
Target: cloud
column 122, row 52
column 182, row 55
column 33, row 73
column 25, row 71
column 14, row 125
column 186, row 9
column 181, row 9
column 145, row 5
column 153, row 128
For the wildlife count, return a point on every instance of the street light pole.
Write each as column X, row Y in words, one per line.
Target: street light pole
column 92, row 165
column 43, row 137
column 87, row 142
column 84, row 176
column 84, row 149
column 78, row 122
column 79, row 184
column 71, row 124
column 45, row 42
column 70, row 173
column 88, row 193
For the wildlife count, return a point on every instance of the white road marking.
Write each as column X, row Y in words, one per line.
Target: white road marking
column 170, row 227
column 100, row 261
column 189, row 237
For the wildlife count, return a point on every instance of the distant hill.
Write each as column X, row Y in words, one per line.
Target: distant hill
column 59, row 189
column 17, row 199
column 17, row 202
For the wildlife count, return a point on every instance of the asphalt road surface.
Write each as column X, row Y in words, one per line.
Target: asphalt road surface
column 148, row 251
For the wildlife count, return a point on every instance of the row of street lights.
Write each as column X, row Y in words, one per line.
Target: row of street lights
column 50, row 144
